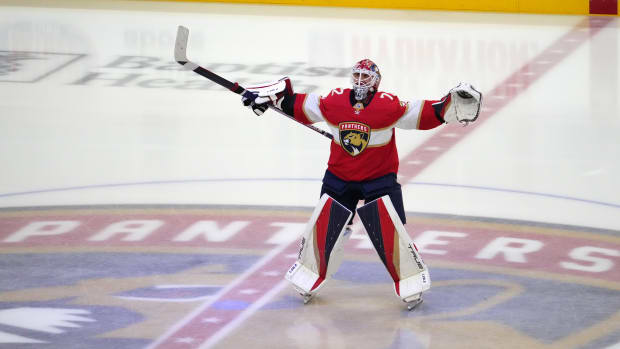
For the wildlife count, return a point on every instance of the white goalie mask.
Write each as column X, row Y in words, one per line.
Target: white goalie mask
column 365, row 78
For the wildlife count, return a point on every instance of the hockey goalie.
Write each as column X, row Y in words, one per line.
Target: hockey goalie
column 362, row 167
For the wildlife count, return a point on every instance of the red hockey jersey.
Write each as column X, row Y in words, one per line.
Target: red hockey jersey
column 364, row 144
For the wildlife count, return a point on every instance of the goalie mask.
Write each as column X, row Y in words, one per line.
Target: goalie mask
column 365, row 77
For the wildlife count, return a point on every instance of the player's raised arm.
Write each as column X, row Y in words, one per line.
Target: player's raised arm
column 461, row 104
column 305, row 108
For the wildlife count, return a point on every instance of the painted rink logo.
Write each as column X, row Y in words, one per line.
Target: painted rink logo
column 193, row 277
column 541, row 248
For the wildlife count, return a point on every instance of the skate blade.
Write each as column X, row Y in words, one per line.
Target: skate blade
column 307, row 297
column 413, row 304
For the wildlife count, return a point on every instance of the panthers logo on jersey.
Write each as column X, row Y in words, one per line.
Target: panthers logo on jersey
column 354, row 137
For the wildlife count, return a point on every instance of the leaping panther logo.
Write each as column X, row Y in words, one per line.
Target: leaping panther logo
column 354, row 137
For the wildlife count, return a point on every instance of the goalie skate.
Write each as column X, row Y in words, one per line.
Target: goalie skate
column 413, row 301
column 307, row 297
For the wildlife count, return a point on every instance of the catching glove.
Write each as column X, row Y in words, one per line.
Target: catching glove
column 465, row 106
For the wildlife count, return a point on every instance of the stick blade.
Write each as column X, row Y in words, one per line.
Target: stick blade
column 180, row 46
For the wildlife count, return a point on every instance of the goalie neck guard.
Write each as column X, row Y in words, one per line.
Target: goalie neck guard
column 365, row 78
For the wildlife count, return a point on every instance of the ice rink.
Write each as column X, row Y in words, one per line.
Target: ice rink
column 141, row 206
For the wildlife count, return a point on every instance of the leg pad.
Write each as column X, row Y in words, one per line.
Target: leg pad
column 321, row 248
column 395, row 248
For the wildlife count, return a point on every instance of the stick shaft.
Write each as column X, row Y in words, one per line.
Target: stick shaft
column 180, row 55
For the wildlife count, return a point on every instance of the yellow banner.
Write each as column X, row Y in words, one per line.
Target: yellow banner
column 572, row 7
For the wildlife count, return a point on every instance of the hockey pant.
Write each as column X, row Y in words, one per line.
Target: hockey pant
column 322, row 245
column 395, row 248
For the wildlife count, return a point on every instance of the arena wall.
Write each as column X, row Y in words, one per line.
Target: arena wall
column 571, row 7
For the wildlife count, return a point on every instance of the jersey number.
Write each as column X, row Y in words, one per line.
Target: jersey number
column 337, row 91
column 385, row 94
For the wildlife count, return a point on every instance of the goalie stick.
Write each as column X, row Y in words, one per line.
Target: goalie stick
column 180, row 55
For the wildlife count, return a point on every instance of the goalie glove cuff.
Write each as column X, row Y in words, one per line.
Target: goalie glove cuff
column 441, row 109
column 272, row 92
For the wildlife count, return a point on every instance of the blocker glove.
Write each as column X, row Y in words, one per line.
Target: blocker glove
column 259, row 97
column 258, row 109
